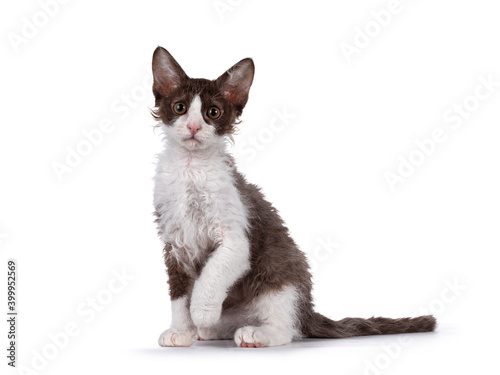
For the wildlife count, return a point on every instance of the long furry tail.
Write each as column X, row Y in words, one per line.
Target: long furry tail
column 319, row 326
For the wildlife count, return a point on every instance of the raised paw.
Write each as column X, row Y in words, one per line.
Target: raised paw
column 205, row 316
column 251, row 337
column 173, row 337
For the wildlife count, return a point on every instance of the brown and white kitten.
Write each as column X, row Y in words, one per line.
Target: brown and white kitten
column 233, row 269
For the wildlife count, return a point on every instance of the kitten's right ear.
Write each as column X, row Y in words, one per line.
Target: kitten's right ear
column 167, row 73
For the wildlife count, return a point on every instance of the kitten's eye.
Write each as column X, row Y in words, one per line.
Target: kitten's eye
column 213, row 112
column 180, row 108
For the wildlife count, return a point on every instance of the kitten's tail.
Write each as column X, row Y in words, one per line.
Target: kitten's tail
column 319, row 326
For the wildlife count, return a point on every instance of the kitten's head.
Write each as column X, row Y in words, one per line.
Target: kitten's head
column 198, row 113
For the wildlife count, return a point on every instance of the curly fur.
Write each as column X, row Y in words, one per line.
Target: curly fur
column 233, row 268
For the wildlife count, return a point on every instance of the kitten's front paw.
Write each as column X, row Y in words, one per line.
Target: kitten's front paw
column 205, row 316
column 173, row 337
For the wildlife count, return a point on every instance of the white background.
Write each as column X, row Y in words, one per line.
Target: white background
column 398, row 251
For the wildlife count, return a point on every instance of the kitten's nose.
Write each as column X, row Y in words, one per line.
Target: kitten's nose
column 194, row 128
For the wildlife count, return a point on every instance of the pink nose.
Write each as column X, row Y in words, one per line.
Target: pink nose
column 194, row 128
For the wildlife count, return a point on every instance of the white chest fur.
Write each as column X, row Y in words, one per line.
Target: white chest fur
column 197, row 202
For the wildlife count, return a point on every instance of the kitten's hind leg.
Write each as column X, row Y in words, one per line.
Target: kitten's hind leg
column 276, row 313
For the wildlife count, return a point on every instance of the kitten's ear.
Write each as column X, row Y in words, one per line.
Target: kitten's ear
column 235, row 83
column 167, row 73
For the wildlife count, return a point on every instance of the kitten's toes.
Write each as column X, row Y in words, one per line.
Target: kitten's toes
column 251, row 337
column 173, row 337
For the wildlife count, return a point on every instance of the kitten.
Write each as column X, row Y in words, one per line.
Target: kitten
column 233, row 269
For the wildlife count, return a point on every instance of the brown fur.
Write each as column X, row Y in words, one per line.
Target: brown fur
column 209, row 95
column 216, row 92
column 276, row 261
column 180, row 283
column 318, row 326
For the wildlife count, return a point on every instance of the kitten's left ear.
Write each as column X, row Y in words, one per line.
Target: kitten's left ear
column 235, row 83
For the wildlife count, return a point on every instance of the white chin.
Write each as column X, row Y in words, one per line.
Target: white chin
column 191, row 143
